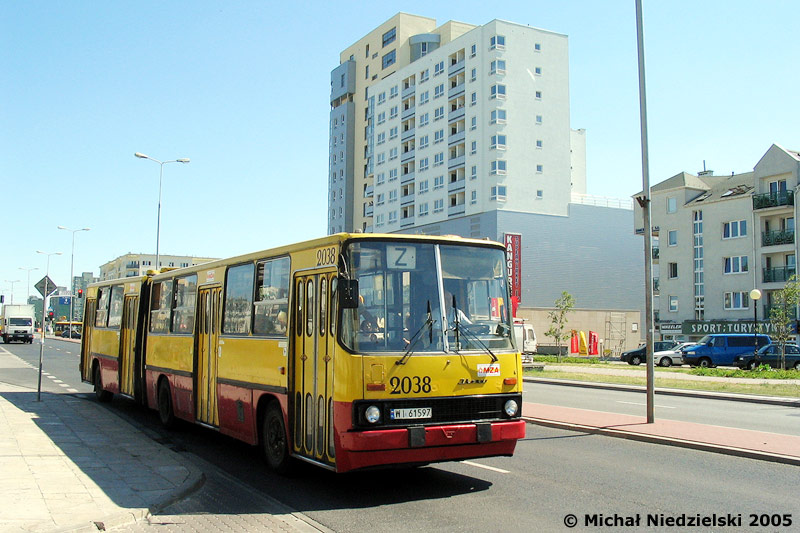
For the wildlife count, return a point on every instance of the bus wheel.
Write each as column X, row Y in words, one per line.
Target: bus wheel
column 165, row 412
column 101, row 394
column 273, row 440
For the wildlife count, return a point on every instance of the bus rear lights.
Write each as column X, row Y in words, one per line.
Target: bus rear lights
column 511, row 407
column 510, row 381
column 376, row 386
column 372, row 414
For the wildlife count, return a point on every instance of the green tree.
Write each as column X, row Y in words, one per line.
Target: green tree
column 782, row 314
column 558, row 321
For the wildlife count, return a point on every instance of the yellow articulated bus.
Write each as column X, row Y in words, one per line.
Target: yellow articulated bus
column 351, row 351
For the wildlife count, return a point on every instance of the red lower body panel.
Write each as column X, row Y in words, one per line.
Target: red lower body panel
column 364, row 449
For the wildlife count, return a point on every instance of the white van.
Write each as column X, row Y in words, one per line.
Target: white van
column 525, row 336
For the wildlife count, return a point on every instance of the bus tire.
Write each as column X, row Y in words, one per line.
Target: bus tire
column 274, row 442
column 101, row 394
column 165, row 412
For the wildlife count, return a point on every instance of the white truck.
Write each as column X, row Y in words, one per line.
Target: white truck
column 525, row 336
column 17, row 323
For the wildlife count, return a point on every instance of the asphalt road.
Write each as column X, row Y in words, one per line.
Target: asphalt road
column 742, row 415
column 554, row 473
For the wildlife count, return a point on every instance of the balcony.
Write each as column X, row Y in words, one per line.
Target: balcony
column 407, row 222
column 791, row 313
column 408, row 91
column 456, row 162
column 455, row 186
column 407, row 155
column 773, row 199
column 407, row 199
column 407, row 113
column 455, row 210
column 368, row 209
column 455, row 68
column 408, row 177
column 778, row 274
column 407, row 134
column 456, row 91
column 774, row 238
column 369, row 190
column 456, row 137
column 456, row 114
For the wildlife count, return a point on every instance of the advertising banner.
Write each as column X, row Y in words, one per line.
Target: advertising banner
column 513, row 242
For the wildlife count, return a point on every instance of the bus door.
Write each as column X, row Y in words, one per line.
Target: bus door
column 207, row 350
column 86, row 339
column 127, row 346
column 312, row 380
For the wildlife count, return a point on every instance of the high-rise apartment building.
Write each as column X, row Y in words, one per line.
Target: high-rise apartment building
column 128, row 265
column 463, row 129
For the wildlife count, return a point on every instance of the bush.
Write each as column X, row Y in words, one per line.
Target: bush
column 554, row 359
column 762, row 372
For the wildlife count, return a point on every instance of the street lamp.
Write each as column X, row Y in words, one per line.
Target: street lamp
column 44, row 316
column 28, row 270
column 71, row 280
column 755, row 295
column 12, row 287
column 160, row 175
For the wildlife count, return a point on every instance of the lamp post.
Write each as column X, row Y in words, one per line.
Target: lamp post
column 44, row 317
column 755, row 295
column 12, row 282
column 160, row 175
column 28, row 270
column 71, row 280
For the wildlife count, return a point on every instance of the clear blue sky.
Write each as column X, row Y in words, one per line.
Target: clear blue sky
column 242, row 88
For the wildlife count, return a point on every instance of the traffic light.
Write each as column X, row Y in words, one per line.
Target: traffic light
column 80, row 293
column 50, row 315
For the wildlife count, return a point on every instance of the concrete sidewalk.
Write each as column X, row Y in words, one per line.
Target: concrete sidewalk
column 71, row 464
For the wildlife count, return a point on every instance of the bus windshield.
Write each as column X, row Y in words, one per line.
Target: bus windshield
column 406, row 302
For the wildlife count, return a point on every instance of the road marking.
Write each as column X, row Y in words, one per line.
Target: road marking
column 72, row 390
column 493, row 469
column 644, row 404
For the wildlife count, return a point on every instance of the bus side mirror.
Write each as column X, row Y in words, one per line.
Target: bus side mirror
column 348, row 293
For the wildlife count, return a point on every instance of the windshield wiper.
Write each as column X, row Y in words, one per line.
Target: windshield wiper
column 467, row 333
column 417, row 336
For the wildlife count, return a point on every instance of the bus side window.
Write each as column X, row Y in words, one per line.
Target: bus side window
column 271, row 306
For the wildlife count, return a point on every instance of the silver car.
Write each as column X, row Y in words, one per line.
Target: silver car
column 670, row 357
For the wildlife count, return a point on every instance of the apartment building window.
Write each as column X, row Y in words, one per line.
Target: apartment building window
column 538, row 95
column 736, row 300
column 735, row 265
column 381, row 117
column 392, row 217
column 474, row 172
column 438, row 182
column 393, row 196
column 423, row 49
column 672, row 269
column 498, row 66
column 438, row 68
column 379, row 220
column 537, row 71
column 393, row 112
column 498, row 167
column 734, row 230
column 474, row 197
column 424, row 97
column 393, row 153
column 473, row 123
column 438, row 113
column 438, row 159
column 423, row 141
column 393, row 174
column 423, row 187
column 497, row 116
column 497, row 142
column 539, row 194
column 497, row 42
column 539, row 144
column 699, row 268
column 393, row 92
column 423, row 164
column 537, row 47
column 389, row 59
column 366, row 72
column 473, row 50
column 380, row 199
column 381, row 158
column 538, row 119
column 381, row 138
column 389, row 37
column 438, row 206
column 498, row 90
column 424, row 75
column 673, row 237
column 672, row 205
column 438, row 90
column 423, row 119
column 393, row 132
column 539, row 169
column 499, row 192
column 673, row 304
column 473, row 148
column 438, row 136
column 473, row 75
column 473, row 99
column 423, row 209
column 380, row 178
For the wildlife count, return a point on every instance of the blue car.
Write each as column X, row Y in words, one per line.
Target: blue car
column 722, row 349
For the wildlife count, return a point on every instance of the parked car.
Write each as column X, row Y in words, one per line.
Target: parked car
column 722, row 348
column 637, row 356
column 670, row 357
column 65, row 334
column 770, row 355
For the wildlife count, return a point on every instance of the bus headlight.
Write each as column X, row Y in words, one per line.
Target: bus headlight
column 511, row 407
column 372, row 414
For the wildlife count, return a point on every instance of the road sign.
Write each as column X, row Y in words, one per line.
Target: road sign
column 47, row 283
